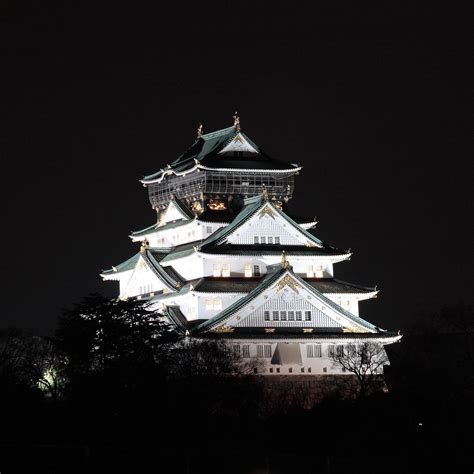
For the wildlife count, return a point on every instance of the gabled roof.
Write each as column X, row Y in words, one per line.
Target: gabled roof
column 151, row 257
column 205, row 151
column 251, row 207
column 279, row 273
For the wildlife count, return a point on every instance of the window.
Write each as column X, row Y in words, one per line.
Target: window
column 290, row 370
column 263, row 239
column 270, row 240
column 331, row 351
column 313, row 350
column 216, row 270
column 283, row 315
column 307, row 315
column 340, row 350
column 225, row 270
column 256, row 270
column 310, row 272
column 236, row 350
column 276, row 315
column 309, row 369
column 325, row 369
column 318, row 272
column 277, row 240
column 278, row 370
column 271, row 370
column 264, row 350
column 209, row 229
column 268, row 350
column 291, row 315
column 266, row 315
column 302, row 369
column 255, row 239
column 214, row 304
column 246, row 350
column 298, row 315
column 248, row 270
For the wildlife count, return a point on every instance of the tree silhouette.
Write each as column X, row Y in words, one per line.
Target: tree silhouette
column 365, row 361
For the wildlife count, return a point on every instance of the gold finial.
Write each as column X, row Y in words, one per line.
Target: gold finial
column 144, row 246
column 200, row 130
column 284, row 261
column 237, row 121
column 264, row 192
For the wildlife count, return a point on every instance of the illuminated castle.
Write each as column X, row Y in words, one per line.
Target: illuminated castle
column 225, row 259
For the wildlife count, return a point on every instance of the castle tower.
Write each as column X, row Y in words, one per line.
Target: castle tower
column 226, row 259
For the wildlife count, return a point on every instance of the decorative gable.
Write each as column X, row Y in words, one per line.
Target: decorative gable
column 268, row 226
column 286, row 301
column 142, row 280
column 239, row 143
column 172, row 213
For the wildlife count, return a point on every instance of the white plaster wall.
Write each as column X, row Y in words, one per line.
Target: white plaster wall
column 319, row 365
column 265, row 225
column 189, row 268
column 142, row 278
column 237, row 264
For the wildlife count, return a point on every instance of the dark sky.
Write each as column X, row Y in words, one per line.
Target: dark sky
column 375, row 102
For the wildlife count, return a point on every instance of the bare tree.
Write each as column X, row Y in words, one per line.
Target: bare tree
column 365, row 361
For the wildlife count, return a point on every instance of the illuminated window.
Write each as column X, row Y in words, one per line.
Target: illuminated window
column 318, row 272
column 310, row 272
column 248, row 270
column 246, row 350
column 216, row 270
column 277, row 240
column 266, row 315
column 307, row 315
column 298, row 315
column 276, row 315
column 256, row 270
column 225, row 270
column 291, row 315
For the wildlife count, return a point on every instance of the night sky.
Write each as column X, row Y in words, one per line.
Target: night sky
column 374, row 102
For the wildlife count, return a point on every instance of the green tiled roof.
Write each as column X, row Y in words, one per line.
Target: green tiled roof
column 124, row 266
column 206, row 151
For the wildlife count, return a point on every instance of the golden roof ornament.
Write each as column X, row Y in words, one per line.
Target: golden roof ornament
column 264, row 192
column 200, row 129
column 236, row 122
column 284, row 261
column 143, row 246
